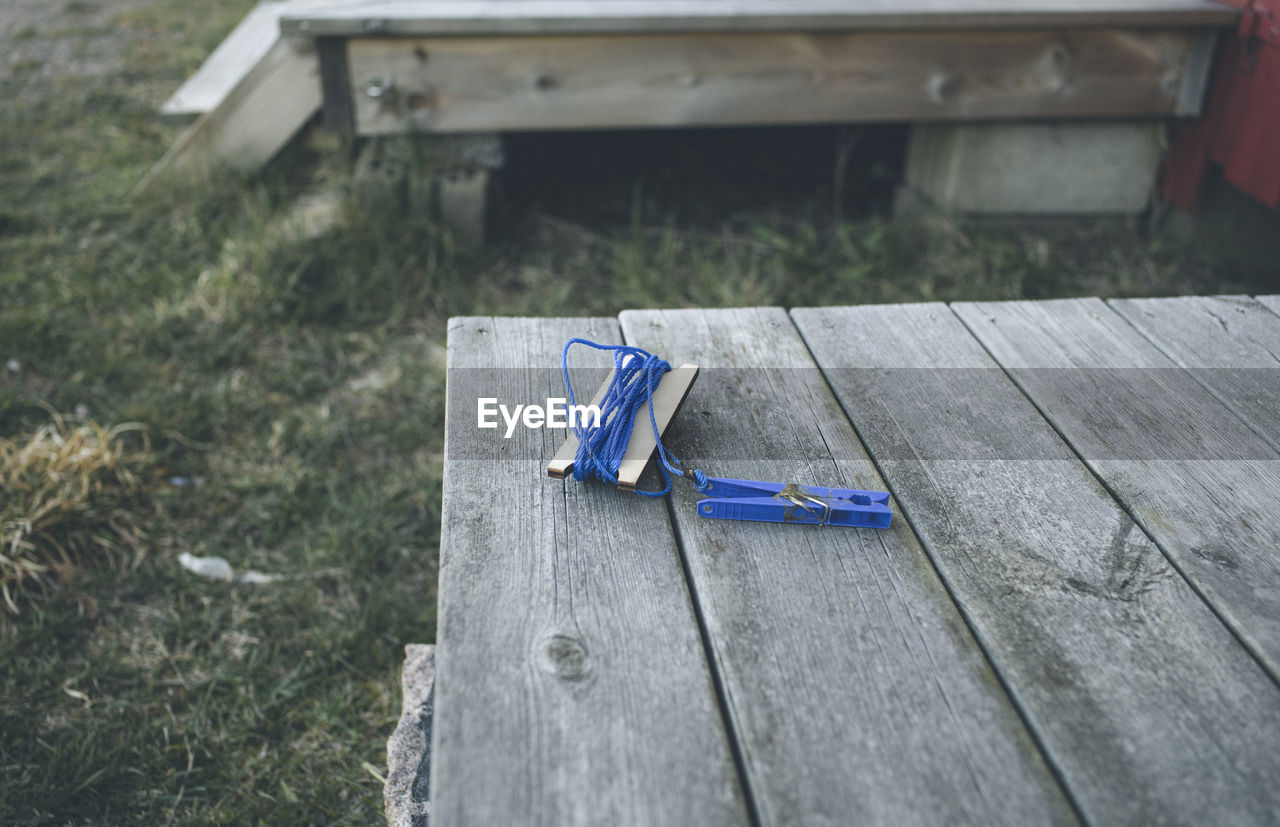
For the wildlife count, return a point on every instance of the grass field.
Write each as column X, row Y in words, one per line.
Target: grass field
column 228, row 387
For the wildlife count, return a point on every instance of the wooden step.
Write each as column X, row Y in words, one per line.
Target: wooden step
column 483, row 17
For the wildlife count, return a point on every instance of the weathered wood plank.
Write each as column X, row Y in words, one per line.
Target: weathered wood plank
column 854, row 688
column 561, row 464
column 247, row 43
column 1271, row 302
column 237, row 54
column 451, row 84
column 1151, row 709
column 571, row 686
column 1230, row 344
column 1193, row 475
column 480, row 17
column 338, row 110
column 266, row 108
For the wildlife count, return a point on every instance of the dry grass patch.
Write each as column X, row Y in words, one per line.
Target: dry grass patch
column 69, row 495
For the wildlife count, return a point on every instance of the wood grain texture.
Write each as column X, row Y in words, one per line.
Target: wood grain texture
column 337, row 106
column 481, row 17
column 247, row 43
column 1151, row 709
column 668, row 398
column 238, row 53
column 856, row 692
column 463, row 84
column 255, row 119
column 1194, row 476
column 1230, row 344
column 1270, row 302
column 561, row 464
column 572, row 686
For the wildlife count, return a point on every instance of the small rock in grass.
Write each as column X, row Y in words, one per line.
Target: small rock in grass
column 217, row 568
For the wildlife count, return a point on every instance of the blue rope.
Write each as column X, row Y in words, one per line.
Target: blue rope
column 601, row 447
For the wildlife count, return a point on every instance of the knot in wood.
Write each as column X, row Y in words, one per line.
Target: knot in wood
column 943, row 87
column 565, row 657
column 1053, row 71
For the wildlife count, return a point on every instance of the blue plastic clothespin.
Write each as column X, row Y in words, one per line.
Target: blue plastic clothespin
column 772, row 502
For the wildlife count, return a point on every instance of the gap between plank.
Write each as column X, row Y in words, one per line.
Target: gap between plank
column 713, row 664
column 713, row 667
column 969, row 623
column 1257, row 656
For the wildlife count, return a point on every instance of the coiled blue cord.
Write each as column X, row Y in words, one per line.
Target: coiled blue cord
column 601, row 448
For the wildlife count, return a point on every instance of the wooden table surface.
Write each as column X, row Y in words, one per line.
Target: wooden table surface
column 1075, row 616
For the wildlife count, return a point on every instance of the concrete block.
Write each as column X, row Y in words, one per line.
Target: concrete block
column 1033, row 168
column 406, row 795
column 461, row 198
column 443, row 177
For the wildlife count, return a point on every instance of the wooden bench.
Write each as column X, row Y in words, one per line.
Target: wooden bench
column 1075, row 616
column 465, row 66
column 480, row 68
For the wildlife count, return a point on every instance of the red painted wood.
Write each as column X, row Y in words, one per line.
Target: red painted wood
column 1241, row 129
column 1251, row 157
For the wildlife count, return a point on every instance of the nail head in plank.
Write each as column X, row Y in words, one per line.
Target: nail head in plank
column 1202, row 484
column 551, row 695
column 852, row 682
column 1137, row 691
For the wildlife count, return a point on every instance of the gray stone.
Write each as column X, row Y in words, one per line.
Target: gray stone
column 460, row 201
column 445, row 178
column 1033, row 168
column 406, row 796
